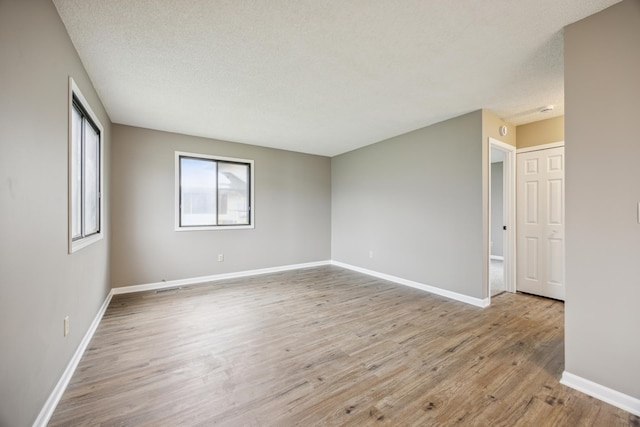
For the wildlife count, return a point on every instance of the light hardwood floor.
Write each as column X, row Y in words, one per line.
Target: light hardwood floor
column 326, row 346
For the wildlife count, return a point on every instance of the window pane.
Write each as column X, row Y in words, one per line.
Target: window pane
column 92, row 180
column 76, row 174
column 233, row 193
column 197, row 192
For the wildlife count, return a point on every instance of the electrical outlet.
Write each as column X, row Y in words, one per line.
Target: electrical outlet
column 370, row 254
column 66, row 326
column 220, row 257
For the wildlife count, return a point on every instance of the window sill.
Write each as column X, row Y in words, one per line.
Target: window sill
column 215, row 228
column 83, row 243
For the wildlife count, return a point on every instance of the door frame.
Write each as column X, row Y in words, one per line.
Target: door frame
column 509, row 217
column 540, row 147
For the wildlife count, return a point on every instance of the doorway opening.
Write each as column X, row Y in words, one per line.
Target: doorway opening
column 502, row 207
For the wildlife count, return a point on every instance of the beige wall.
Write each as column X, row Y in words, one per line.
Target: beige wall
column 415, row 200
column 491, row 128
column 292, row 210
column 40, row 282
column 540, row 132
column 602, row 93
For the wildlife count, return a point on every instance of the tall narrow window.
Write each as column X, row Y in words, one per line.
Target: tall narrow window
column 213, row 192
column 85, row 173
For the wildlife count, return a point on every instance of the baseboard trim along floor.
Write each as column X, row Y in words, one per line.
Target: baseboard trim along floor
column 55, row 396
column 213, row 278
column 600, row 392
column 428, row 288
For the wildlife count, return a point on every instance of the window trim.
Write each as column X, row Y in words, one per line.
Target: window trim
column 178, row 227
column 75, row 245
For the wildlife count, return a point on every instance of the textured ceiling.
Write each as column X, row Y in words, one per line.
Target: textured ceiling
column 320, row 76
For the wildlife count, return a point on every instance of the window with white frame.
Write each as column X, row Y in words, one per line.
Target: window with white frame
column 85, row 172
column 213, row 192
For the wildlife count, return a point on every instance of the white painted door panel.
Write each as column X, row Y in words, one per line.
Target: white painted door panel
column 540, row 222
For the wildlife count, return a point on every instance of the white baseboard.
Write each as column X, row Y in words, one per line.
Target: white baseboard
column 428, row 288
column 63, row 382
column 606, row 394
column 497, row 257
column 213, row 278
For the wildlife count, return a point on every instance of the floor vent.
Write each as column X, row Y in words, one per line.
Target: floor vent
column 160, row 291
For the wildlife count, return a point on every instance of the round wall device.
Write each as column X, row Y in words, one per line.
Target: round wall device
column 503, row 130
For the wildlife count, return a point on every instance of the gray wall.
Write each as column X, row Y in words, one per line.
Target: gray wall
column 497, row 208
column 602, row 130
column 39, row 281
column 416, row 201
column 292, row 210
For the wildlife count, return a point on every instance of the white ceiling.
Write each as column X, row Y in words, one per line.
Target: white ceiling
column 320, row 76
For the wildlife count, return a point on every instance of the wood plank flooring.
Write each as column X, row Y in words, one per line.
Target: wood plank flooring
column 322, row 347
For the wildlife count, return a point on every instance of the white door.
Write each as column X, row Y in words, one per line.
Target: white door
column 540, row 222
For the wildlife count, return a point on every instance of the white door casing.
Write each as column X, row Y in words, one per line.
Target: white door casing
column 541, row 223
column 509, row 214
